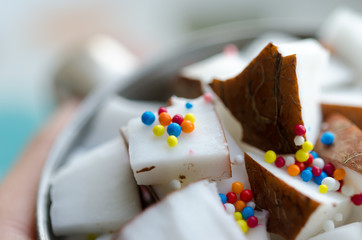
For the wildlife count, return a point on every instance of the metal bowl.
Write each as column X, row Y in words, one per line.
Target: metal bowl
column 153, row 82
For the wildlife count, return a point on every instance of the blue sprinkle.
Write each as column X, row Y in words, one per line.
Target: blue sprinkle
column 306, row 175
column 314, row 154
column 148, row 118
column 223, row 198
column 308, row 168
column 189, row 105
column 327, row 138
column 318, row 180
column 247, row 212
column 174, row 129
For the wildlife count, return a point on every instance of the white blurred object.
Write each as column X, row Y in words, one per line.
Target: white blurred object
column 351, row 232
column 341, row 32
column 102, row 59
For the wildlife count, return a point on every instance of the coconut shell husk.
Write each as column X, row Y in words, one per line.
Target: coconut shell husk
column 346, row 149
column 284, row 203
column 264, row 98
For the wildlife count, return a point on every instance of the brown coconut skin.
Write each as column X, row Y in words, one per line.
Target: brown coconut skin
column 353, row 113
column 264, row 98
column 346, row 149
column 289, row 210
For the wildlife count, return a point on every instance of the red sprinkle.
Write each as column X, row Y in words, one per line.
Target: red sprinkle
column 329, row 169
column 309, row 161
column 299, row 130
column 178, row 118
column 246, row 195
column 231, row 197
column 252, row 221
column 357, row 199
column 161, row 110
column 300, row 165
column 316, row 171
column 280, row 162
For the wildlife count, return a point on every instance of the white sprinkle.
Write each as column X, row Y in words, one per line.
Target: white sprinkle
column 318, row 162
column 251, row 204
column 229, row 208
column 175, row 184
column 299, row 140
column 328, row 225
column 331, row 183
column 238, row 159
column 289, row 161
column 338, row 217
column 338, row 184
column 347, row 190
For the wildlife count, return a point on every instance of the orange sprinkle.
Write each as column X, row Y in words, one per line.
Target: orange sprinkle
column 339, row 174
column 237, row 187
column 239, row 205
column 187, row 126
column 293, row 170
column 165, row 119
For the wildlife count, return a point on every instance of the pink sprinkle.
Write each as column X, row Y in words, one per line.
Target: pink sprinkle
column 357, row 199
column 178, row 118
column 191, row 152
column 316, row 171
column 230, row 50
column 329, row 169
column 208, row 97
column 280, row 162
column 299, row 130
column 161, row 110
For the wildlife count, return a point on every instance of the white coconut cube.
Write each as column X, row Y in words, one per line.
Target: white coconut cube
column 201, row 154
column 96, row 193
column 351, row 231
column 195, row 212
column 341, row 32
column 114, row 113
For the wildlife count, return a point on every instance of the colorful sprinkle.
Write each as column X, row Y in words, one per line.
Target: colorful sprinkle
column 347, row 190
column 239, row 205
column 299, row 140
column 251, row 204
column 318, row 179
column 357, row 199
column 178, row 118
column 252, row 222
column 270, row 156
column 238, row 216
column 307, row 146
column 187, row 126
column 246, row 195
column 327, row 138
column 323, row 188
column 158, row 130
column 293, row 170
column 231, row 197
column 315, row 155
column 339, row 174
column 188, row 105
column 289, row 161
column 164, row 119
column 306, row 175
column 148, row 118
column 229, row 208
column 207, row 97
column 329, row 169
column 247, row 212
column 310, row 160
column 223, row 198
column 299, row 130
column 161, row 110
column 174, row 129
column 300, row 165
column 318, row 162
column 316, row 171
column 301, row 155
column 331, row 183
column 243, row 225
column 237, row 187
column 172, row 141
column 279, row 162
column 190, row 117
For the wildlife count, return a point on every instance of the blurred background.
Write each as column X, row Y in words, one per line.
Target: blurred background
column 37, row 37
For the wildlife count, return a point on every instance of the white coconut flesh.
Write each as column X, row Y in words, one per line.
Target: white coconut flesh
column 351, row 231
column 114, row 113
column 331, row 203
column 201, row 154
column 195, row 212
column 96, row 193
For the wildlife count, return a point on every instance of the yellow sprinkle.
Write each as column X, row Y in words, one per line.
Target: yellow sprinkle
column 238, row 216
column 302, row 155
column 190, row 117
column 323, row 188
column 158, row 130
column 172, row 141
column 243, row 225
column 307, row 146
column 270, row 156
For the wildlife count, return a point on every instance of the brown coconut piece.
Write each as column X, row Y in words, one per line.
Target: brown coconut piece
column 264, row 98
column 353, row 113
column 289, row 210
column 346, row 149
